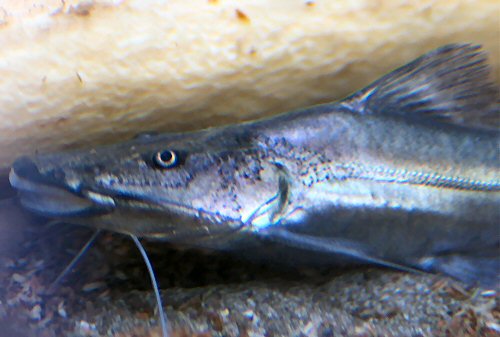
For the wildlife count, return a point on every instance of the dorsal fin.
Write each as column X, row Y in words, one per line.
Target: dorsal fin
column 450, row 84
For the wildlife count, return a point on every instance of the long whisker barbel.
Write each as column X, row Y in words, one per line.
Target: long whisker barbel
column 73, row 261
column 154, row 283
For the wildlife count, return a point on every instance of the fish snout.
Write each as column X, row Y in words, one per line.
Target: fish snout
column 26, row 169
column 49, row 194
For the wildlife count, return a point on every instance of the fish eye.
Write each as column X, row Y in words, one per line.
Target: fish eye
column 165, row 159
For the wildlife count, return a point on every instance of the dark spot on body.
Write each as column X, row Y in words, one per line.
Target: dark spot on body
column 93, row 169
column 79, row 77
column 55, row 175
column 310, row 3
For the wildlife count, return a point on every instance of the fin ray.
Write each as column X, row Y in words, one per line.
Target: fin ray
column 450, row 84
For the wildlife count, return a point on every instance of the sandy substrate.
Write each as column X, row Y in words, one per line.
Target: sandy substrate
column 109, row 294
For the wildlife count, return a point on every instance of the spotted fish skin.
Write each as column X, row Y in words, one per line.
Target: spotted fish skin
column 404, row 173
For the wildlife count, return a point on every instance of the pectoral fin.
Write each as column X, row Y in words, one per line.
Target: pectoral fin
column 481, row 269
column 334, row 246
column 450, row 84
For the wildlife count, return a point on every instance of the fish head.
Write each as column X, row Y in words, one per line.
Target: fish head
column 170, row 187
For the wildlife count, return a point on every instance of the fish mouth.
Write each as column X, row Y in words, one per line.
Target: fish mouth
column 51, row 198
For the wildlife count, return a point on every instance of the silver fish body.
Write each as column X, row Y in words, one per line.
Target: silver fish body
column 404, row 173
